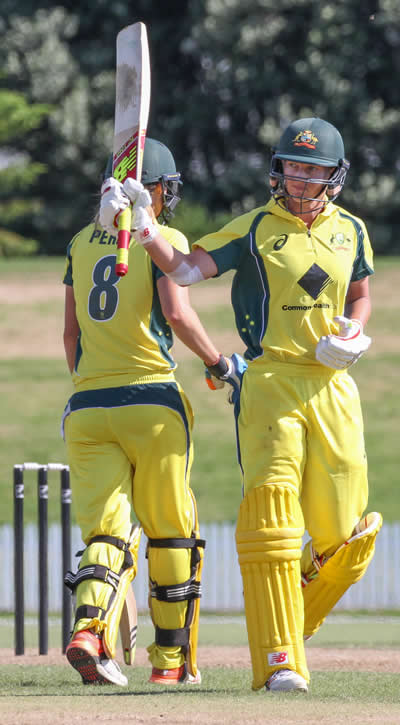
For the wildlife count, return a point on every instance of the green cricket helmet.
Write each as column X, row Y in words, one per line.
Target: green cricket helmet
column 158, row 166
column 310, row 141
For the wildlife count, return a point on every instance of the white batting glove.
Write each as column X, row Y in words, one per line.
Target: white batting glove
column 115, row 197
column 342, row 350
column 137, row 194
column 144, row 230
column 113, row 201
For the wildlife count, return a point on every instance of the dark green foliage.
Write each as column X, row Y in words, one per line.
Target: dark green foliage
column 226, row 78
column 14, row 245
column 17, row 120
column 195, row 221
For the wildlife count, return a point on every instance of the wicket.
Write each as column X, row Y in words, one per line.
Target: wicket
column 65, row 494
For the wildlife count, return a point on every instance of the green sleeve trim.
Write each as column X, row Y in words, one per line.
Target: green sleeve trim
column 68, row 272
column 361, row 267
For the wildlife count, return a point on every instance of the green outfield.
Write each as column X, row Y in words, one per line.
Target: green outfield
column 378, row 630
column 34, row 386
column 355, row 677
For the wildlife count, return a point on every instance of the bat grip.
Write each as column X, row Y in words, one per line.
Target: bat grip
column 124, row 238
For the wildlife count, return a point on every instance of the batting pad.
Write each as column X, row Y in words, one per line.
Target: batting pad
column 268, row 540
column 193, row 612
column 175, row 590
column 108, row 598
column 347, row 565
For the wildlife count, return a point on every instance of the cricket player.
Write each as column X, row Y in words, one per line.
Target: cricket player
column 301, row 301
column 128, row 431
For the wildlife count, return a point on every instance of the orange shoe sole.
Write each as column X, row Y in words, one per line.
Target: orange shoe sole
column 83, row 653
column 167, row 677
column 177, row 676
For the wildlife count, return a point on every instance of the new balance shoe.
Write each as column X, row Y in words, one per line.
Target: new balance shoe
column 86, row 654
column 286, row 681
column 177, row 676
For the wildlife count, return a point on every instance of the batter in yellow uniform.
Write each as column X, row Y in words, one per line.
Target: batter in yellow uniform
column 128, row 430
column 301, row 300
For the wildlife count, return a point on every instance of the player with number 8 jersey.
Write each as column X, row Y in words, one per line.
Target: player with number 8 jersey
column 124, row 336
column 128, row 434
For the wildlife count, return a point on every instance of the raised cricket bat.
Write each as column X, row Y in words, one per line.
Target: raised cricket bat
column 128, row 627
column 132, row 104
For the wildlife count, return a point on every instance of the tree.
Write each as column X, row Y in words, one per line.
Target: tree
column 19, row 174
column 264, row 64
column 75, row 142
column 226, row 78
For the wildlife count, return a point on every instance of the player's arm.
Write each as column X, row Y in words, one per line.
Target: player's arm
column 184, row 269
column 186, row 325
column 71, row 327
column 184, row 321
column 358, row 301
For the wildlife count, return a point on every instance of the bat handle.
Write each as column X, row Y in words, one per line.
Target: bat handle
column 124, row 238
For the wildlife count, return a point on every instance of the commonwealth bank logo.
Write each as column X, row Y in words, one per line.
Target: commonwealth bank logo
column 315, row 281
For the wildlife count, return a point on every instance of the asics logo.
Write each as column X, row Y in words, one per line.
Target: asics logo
column 280, row 242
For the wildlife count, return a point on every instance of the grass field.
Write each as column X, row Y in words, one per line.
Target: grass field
column 35, row 384
column 377, row 630
column 350, row 681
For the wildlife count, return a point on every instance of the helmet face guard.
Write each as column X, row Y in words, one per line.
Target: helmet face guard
column 333, row 185
column 159, row 167
column 171, row 198
column 315, row 142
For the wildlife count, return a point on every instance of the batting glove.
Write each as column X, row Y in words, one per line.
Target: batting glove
column 115, row 197
column 145, row 231
column 112, row 202
column 342, row 350
column 227, row 370
column 137, row 194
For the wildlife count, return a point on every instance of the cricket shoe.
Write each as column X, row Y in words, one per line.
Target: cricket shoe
column 286, row 681
column 177, row 676
column 86, row 654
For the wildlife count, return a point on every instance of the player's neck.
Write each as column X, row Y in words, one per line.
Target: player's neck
column 307, row 211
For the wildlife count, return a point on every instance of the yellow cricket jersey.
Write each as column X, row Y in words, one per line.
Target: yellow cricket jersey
column 290, row 281
column 124, row 336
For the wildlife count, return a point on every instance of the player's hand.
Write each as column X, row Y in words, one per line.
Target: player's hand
column 143, row 228
column 213, row 382
column 115, row 197
column 113, row 201
column 342, row 350
column 227, row 370
column 136, row 193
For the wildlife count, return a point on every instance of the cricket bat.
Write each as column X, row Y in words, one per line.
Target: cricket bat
column 132, row 104
column 128, row 627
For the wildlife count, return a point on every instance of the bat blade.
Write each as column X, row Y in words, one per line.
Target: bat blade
column 132, row 105
column 128, row 627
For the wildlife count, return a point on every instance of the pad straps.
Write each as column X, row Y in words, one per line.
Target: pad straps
column 173, row 637
column 177, row 543
column 88, row 611
column 96, row 571
column 188, row 590
column 101, row 573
